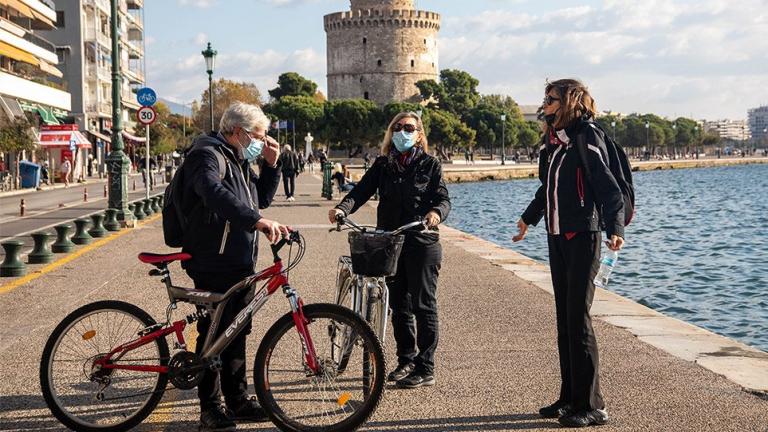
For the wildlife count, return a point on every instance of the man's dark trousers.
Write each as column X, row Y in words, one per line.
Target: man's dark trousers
column 231, row 380
column 574, row 264
column 413, row 299
column 289, row 183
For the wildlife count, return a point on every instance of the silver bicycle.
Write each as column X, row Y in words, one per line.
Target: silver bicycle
column 365, row 292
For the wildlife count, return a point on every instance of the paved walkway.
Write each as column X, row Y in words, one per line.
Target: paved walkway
column 497, row 361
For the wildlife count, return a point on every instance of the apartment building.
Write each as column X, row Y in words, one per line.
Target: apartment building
column 734, row 130
column 82, row 35
column 758, row 123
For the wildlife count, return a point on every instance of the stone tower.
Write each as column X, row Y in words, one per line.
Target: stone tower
column 379, row 50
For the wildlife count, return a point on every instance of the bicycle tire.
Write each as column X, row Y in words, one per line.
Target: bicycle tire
column 346, row 285
column 280, row 328
column 53, row 342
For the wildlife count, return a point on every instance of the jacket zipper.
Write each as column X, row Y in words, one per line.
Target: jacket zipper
column 224, row 238
column 580, row 185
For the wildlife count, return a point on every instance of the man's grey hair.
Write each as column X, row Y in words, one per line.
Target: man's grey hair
column 243, row 115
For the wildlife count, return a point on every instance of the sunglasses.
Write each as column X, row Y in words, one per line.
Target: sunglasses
column 407, row 127
column 549, row 100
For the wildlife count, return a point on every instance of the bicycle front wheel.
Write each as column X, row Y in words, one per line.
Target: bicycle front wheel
column 81, row 396
column 299, row 400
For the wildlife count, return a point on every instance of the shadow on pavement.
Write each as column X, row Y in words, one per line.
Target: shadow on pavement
column 473, row 423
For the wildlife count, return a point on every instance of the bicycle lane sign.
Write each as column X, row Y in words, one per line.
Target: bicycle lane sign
column 146, row 97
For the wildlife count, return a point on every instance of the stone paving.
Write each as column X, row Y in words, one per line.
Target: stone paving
column 496, row 363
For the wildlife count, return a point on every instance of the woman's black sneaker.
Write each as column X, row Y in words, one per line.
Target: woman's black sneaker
column 556, row 410
column 246, row 409
column 401, row 372
column 214, row 419
column 584, row 418
column 416, row 379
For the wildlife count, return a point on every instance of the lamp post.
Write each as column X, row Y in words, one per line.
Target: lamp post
column 613, row 125
column 117, row 161
column 647, row 141
column 696, row 139
column 674, row 144
column 210, row 62
column 503, row 127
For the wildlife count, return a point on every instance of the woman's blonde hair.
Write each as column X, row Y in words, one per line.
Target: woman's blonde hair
column 386, row 145
column 575, row 102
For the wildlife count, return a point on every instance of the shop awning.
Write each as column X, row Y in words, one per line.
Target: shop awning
column 11, row 107
column 47, row 116
column 21, row 7
column 101, row 136
column 62, row 136
column 133, row 138
column 11, row 51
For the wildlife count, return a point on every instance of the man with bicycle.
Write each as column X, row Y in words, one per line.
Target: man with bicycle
column 222, row 196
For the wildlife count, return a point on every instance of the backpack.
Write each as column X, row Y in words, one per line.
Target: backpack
column 618, row 163
column 175, row 220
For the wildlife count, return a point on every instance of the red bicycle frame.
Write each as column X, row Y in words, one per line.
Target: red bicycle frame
column 276, row 279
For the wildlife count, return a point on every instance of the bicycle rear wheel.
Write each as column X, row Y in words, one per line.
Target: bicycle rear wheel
column 86, row 399
column 347, row 285
column 299, row 400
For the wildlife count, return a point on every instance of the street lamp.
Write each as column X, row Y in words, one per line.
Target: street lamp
column 210, row 62
column 647, row 141
column 674, row 144
column 503, row 127
column 613, row 125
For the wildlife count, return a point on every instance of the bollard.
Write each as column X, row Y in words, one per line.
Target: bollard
column 41, row 254
column 85, row 194
column 97, row 229
column 161, row 201
column 81, row 236
column 147, row 207
column 155, row 204
column 138, row 212
column 62, row 244
column 12, row 266
column 22, row 207
column 111, row 223
column 105, row 191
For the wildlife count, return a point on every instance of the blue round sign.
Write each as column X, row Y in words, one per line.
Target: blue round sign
column 146, row 96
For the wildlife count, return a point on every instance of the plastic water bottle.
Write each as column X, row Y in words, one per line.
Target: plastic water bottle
column 607, row 263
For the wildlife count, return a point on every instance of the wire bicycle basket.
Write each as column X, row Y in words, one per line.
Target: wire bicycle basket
column 375, row 254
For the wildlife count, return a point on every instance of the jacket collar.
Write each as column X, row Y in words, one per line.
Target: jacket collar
column 226, row 145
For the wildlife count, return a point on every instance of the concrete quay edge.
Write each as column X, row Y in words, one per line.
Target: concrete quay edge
column 739, row 363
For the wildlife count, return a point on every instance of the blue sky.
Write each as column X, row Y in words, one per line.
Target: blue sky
column 705, row 58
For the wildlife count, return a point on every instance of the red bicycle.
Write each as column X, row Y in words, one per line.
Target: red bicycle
column 106, row 365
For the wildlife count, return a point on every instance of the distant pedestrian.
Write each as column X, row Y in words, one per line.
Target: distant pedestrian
column 311, row 162
column 472, row 156
column 290, row 167
column 466, row 156
column 573, row 208
column 65, row 169
column 301, row 162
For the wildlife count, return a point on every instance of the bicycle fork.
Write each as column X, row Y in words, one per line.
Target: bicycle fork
column 297, row 311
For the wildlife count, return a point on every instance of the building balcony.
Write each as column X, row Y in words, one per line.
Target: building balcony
column 101, row 109
column 135, row 4
column 102, row 73
column 21, row 88
column 95, row 35
column 134, row 76
column 102, row 5
column 134, row 21
column 129, row 99
column 49, row 55
column 43, row 14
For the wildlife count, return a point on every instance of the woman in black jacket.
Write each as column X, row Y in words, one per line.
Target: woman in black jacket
column 574, row 210
column 410, row 186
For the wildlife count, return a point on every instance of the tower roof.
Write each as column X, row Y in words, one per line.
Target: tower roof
column 381, row 4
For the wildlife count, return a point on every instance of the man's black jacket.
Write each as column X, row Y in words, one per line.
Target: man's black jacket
column 403, row 196
column 566, row 199
column 223, row 211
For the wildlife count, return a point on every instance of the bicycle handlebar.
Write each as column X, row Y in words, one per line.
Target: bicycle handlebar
column 343, row 220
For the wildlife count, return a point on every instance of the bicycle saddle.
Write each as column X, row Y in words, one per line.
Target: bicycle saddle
column 153, row 258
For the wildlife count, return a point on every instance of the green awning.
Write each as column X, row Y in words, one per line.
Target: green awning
column 47, row 116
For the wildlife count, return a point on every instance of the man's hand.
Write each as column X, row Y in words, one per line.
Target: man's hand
column 271, row 151
column 433, row 219
column 333, row 213
column 273, row 230
column 615, row 243
column 522, row 230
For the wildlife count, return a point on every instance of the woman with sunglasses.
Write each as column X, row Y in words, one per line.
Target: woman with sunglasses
column 410, row 186
column 574, row 209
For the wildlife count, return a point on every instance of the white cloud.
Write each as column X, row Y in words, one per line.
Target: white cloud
column 201, row 39
column 706, row 58
column 202, row 4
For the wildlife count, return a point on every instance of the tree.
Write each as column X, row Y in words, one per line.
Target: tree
column 504, row 103
column 352, row 122
column 163, row 138
column 16, row 136
column 305, row 111
column 293, row 84
column 448, row 131
column 456, row 92
column 225, row 92
column 529, row 134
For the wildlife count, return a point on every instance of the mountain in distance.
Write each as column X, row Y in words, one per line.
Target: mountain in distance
column 176, row 108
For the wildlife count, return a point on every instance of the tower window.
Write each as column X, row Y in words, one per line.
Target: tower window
column 378, row 63
column 412, row 63
column 365, row 41
column 366, row 96
column 361, row 79
column 425, row 41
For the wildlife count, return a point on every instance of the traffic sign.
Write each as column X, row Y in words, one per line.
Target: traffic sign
column 146, row 97
column 146, row 115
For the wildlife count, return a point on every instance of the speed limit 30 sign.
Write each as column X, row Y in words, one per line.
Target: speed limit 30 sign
column 146, row 115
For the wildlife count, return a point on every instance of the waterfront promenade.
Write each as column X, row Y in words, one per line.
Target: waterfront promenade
column 497, row 360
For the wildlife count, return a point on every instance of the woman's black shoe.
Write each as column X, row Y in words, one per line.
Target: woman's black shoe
column 401, row 372
column 246, row 409
column 585, row 418
column 556, row 410
column 416, row 379
column 214, row 419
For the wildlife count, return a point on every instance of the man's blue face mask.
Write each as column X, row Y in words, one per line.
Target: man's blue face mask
column 253, row 149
